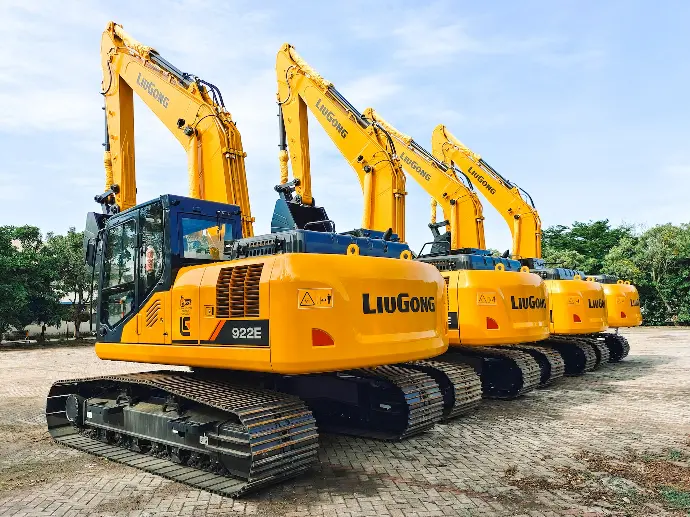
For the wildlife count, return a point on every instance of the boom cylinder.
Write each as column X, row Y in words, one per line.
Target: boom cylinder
column 282, row 145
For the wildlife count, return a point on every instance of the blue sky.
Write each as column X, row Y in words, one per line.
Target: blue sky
column 583, row 104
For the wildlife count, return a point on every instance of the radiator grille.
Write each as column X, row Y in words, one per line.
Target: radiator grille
column 237, row 291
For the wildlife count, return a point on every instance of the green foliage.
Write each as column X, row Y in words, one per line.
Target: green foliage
column 591, row 241
column 567, row 258
column 679, row 499
column 658, row 263
column 27, row 269
column 74, row 277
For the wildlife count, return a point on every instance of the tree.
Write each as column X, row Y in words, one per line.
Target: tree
column 27, row 270
column 74, row 277
column 591, row 240
column 567, row 258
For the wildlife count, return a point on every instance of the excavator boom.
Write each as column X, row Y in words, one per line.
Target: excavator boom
column 193, row 111
column 521, row 215
column 362, row 142
column 461, row 207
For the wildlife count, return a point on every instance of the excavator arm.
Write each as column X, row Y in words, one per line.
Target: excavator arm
column 366, row 147
column 461, row 207
column 520, row 214
column 190, row 108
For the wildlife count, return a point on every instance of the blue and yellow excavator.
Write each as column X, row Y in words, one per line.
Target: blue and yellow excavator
column 283, row 332
column 497, row 310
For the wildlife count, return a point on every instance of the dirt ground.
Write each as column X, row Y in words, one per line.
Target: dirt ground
column 613, row 442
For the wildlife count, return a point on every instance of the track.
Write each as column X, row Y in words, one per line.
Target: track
column 551, row 363
column 505, row 373
column 207, row 433
column 460, row 385
column 618, row 346
column 385, row 403
column 578, row 355
column 600, row 349
column 392, row 402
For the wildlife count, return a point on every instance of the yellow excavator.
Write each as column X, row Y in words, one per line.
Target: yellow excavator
column 283, row 332
column 581, row 306
column 302, row 89
column 481, row 288
column 492, row 301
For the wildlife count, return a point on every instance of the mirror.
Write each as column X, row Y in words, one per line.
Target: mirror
column 90, row 257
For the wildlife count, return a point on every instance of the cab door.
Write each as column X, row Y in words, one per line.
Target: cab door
column 153, row 318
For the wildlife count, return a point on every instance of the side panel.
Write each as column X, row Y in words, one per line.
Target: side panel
column 623, row 305
column 185, row 307
column 578, row 307
column 501, row 307
column 153, row 319
column 361, row 311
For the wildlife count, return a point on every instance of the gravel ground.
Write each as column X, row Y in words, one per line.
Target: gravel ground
column 613, row 442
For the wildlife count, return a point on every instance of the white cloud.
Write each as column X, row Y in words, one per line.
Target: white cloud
column 368, row 90
column 33, row 109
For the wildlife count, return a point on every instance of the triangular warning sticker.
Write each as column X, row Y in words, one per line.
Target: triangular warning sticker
column 307, row 301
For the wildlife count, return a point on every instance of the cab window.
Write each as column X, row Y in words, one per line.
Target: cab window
column 118, row 294
column 151, row 261
column 204, row 238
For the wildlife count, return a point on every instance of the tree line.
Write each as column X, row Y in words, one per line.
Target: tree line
column 38, row 272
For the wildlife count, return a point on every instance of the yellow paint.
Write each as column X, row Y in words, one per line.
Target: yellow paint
column 627, row 302
column 361, row 340
column 562, row 293
column 515, row 325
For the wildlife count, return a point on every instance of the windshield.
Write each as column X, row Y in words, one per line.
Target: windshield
column 204, row 237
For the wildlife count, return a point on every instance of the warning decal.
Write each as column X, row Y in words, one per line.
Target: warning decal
column 486, row 298
column 321, row 298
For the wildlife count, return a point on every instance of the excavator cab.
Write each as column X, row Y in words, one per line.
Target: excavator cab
column 138, row 252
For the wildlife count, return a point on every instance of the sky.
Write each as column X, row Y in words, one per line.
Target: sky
column 583, row 104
